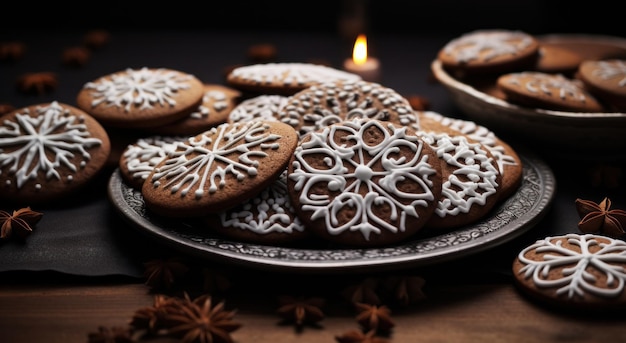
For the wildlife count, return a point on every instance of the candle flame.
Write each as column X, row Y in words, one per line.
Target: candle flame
column 359, row 54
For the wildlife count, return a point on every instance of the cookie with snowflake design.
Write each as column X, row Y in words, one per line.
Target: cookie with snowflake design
column 219, row 168
column 577, row 271
column 283, row 78
column 260, row 107
column 139, row 158
column 471, row 180
column 322, row 105
column 489, row 51
column 49, row 151
column 217, row 103
column 268, row 218
column 547, row 91
column 364, row 182
column 140, row 98
column 606, row 79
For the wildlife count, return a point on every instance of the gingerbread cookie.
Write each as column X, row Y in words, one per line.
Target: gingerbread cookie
column 284, row 78
column 139, row 158
column 554, row 59
column 489, row 51
column 574, row 271
column 364, row 182
column 219, row 168
column 471, row 180
column 261, row 107
column 547, row 91
column 217, row 103
column 321, row 105
column 606, row 79
column 268, row 218
column 140, row 98
column 48, row 151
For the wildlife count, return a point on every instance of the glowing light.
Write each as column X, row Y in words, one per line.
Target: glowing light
column 359, row 54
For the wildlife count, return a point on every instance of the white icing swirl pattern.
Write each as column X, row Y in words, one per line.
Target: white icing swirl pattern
column 217, row 98
column 595, row 255
column 360, row 177
column 487, row 45
column 146, row 153
column 554, row 85
column 298, row 74
column 143, row 88
column 199, row 162
column 611, row 69
column 262, row 107
column 270, row 211
column 474, row 177
column 52, row 130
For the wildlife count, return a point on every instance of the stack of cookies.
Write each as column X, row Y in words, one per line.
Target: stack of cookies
column 301, row 152
column 518, row 67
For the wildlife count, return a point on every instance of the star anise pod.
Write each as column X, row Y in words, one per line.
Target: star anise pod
column 301, row 310
column 37, row 83
column 21, row 222
column 11, row 51
column 200, row 321
column 76, row 56
column 600, row 218
column 374, row 317
column 363, row 292
column 406, row 290
column 164, row 273
column 111, row 335
column 355, row 336
column 151, row 318
column 96, row 39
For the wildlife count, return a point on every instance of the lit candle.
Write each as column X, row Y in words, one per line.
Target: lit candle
column 361, row 64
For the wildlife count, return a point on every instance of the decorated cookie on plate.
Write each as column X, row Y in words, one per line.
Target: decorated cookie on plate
column 554, row 59
column 139, row 158
column 141, row 98
column 268, row 218
column 219, row 168
column 489, row 51
column 321, row 105
column 284, row 78
column 547, row 91
column 364, row 182
column 471, row 180
column 606, row 79
column 509, row 162
column 584, row 271
column 217, row 102
column 261, row 107
column 49, row 151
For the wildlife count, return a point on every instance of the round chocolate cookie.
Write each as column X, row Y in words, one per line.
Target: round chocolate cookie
column 489, row 51
column 261, row 107
column 48, row 151
column 364, row 182
column 141, row 98
column 217, row 102
column 139, row 158
column 324, row 104
column 220, row 168
column 284, row 78
column 471, row 180
column 268, row 218
column 574, row 271
column 547, row 91
column 606, row 79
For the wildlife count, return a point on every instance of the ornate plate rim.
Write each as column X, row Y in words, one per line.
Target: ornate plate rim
column 538, row 179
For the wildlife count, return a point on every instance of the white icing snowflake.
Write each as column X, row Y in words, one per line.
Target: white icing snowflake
column 611, row 69
column 262, row 107
column 200, row 159
column 470, row 46
column 577, row 269
column 46, row 142
column 351, row 165
column 142, row 88
column 291, row 73
column 270, row 211
column 142, row 156
column 548, row 84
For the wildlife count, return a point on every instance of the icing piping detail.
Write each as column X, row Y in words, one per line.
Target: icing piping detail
column 469, row 46
column 611, row 69
column 262, row 107
column 145, row 154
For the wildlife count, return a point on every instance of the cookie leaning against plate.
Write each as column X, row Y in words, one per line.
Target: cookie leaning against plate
column 219, row 168
column 364, row 182
column 140, row 98
column 49, row 151
column 574, row 271
column 547, row 91
column 321, row 105
column 489, row 51
column 283, row 78
column 606, row 79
